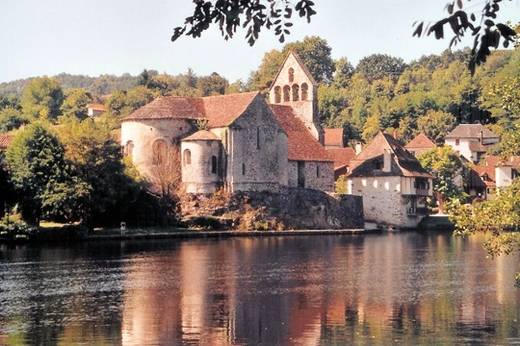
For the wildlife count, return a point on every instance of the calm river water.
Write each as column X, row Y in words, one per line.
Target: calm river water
column 400, row 288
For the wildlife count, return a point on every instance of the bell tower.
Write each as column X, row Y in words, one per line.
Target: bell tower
column 294, row 86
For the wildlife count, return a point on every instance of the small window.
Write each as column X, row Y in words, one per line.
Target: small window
column 187, row 157
column 129, row 149
column 305, row 91
column 277, row 94
column 291, row 75
column 457, row 141
column 318, row 171
column 214, row 164
column 257, row 138
column 286, row 93
column 295, row 92
column 243, row 169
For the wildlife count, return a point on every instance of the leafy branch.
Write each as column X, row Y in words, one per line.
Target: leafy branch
column 252, row 15
column 486, row 31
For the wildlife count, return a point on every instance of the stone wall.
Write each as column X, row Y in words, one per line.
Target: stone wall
column 318, row 175
column 199, row 175
column 294, row 208
column 257, row 153
column 383, row 201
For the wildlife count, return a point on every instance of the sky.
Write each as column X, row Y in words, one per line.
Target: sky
column 93, row 37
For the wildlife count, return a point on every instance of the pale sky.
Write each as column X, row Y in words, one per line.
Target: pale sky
column 92, row 37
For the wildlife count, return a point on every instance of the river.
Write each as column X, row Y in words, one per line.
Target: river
column 395, row 288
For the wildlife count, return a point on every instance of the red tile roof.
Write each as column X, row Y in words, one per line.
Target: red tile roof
column 202, row 135
column 333, row 137
column 5, row 140
column 341, row 156
column 421, row 141
column 302, row 146
column 405, row 163
column 219, row 110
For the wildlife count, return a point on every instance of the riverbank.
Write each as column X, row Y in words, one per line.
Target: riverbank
column 185, row 233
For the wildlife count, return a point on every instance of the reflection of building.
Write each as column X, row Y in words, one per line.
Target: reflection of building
column 237, row 141
column 392, row 182
column 471, row 140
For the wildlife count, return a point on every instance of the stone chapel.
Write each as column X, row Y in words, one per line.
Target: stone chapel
column 238, row 142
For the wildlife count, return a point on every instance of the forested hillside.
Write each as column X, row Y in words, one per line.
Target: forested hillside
column 431, row 94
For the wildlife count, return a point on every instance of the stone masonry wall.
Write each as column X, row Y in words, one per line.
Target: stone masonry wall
column 294, row 208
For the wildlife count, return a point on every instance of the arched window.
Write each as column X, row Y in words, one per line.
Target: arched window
column 186, row 156
column 159, row 149
column 305, row 91
column 291, row 75
column 277, row 94
column 286, row 93
column 295, row 92
column 214, row 164
column 129, row 149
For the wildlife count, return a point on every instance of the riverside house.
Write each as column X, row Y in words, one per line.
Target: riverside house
column 392, row 182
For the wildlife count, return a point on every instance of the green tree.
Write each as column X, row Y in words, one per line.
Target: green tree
column 343, row 72
column 42, row 99
column 436, row 125
column 41, row 175
column 331, row 102
column 75, row 103
column 213, row 84
column 371, row 128
column 262, row 78
column 97, row 161
column 499, row 218
column 11, row 119
column 377, row 66
column 445, row 166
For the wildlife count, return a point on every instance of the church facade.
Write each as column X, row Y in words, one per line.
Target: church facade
column 239, row 142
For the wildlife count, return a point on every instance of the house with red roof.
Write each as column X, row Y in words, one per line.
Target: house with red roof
column 5, row 140
column 392, row 182
column 95, row 109
column 240, row 142
column 492, row 174
column 420, row 144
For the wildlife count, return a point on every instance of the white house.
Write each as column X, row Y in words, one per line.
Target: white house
column 471, row 140
column 392, row 182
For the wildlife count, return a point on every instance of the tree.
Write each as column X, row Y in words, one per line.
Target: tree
column 445, row 166
column 97, row 162
column 42, row 99
column 251, row 15
column 436, row 125
column 331, row 102
column 371, row 128
column 486, row 31
column 313, row 50
column 75, row 103
column 377, row 66
column 498, row 218
column 343, row 72
column 11, row 119
column 213, row 84
column 7, row 196
column 509, row 144
column 41, row 175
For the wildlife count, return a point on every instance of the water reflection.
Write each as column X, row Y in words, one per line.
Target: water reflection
column 407, row 288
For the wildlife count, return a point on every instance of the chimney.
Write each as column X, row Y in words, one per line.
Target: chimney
column 358, row 147
column 387, row 161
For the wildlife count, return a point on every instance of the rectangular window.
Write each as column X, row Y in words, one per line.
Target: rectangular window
column 457, row 141
column 257, row 138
